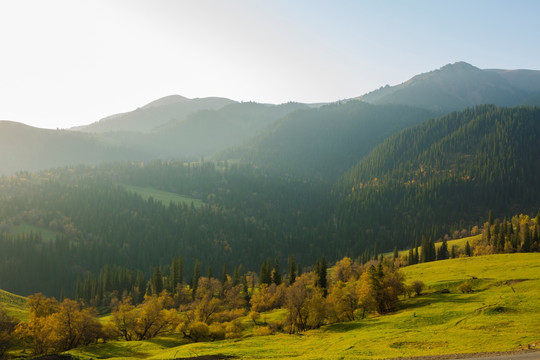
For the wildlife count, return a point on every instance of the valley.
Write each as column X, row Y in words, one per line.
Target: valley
column 401, row 223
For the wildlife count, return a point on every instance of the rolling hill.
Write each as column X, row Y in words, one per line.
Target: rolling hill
column 498, row 316
column 25, row 148
column 155, row 114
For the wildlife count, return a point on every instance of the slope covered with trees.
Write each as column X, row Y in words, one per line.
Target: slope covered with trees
column 245, row 216
column 442, row 174
column 323, row 143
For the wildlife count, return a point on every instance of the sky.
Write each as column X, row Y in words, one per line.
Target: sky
column 65, row 63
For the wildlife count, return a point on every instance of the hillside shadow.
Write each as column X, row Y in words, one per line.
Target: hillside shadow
column 112, row 350
column 348, row 326
column 428, row 299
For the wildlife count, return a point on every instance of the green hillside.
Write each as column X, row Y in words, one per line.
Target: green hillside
column 13, row 304
column 325, row 142
column 443, row 175
column 499, row 315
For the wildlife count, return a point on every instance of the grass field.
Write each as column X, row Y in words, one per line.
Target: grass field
column 163, row 196
column 14, row 305
column 460, row 243
column 27, row 228
column 500, row 315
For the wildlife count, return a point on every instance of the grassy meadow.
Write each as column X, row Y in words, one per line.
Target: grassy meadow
column 501, row 314
column 14, row 305
column 24, row 228
column 164, row 197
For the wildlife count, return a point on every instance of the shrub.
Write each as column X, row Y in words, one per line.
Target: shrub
column 233, row 329
column 262, row 331
column 418, row 286
column 466, row 287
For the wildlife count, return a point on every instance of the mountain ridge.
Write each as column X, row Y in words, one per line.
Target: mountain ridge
column 460, row 85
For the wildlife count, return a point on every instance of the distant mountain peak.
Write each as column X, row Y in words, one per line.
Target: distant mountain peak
column 167, row 100
column 459, row 85
column 459, row 65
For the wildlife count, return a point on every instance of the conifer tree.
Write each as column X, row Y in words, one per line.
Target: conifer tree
column 322, row 276
column 196, row 276
column 292, row 270
column 157, row 281
column 265, row 274
column 140, row 284
column 526, row 246
column 467, row 249
column 442, row 254
column 236, row 276
column 276, row 274
column 224, row 274
column 454, row 252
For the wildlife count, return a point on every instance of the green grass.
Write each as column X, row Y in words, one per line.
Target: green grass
column 500, row 315
column 163, row 196
column 460, row 243
column 21, row 229
column 14, row 305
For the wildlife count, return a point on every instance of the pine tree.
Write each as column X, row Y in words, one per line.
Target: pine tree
column 276, row 274
column 322, row 276
column 395, row 254
column 157, row 281
column 196, row 276
column 442, row 254
column 236, row 276
column 526, row 246
column 292, row 270
column 140, row 284
column 245, row 288
column 265, row 274
column 224, row 274
column 467, row 249
column 454, row 252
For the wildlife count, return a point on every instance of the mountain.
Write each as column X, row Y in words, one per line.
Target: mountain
column 439, row 176
column 325, row 142
column 155, row 114
column 28, row 148
column 460, row 85
column 204, row 132
column 209, row 131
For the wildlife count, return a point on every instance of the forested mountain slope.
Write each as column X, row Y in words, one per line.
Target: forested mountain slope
column 323, row 143
column 460, row 85
column 246, row 217
column 447, row 171
column 207, row 132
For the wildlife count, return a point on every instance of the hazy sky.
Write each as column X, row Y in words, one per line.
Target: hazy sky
column 72, row 62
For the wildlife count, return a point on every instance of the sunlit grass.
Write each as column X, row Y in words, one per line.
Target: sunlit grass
column 14, row 305
column 163, row 196
column 500, row 315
